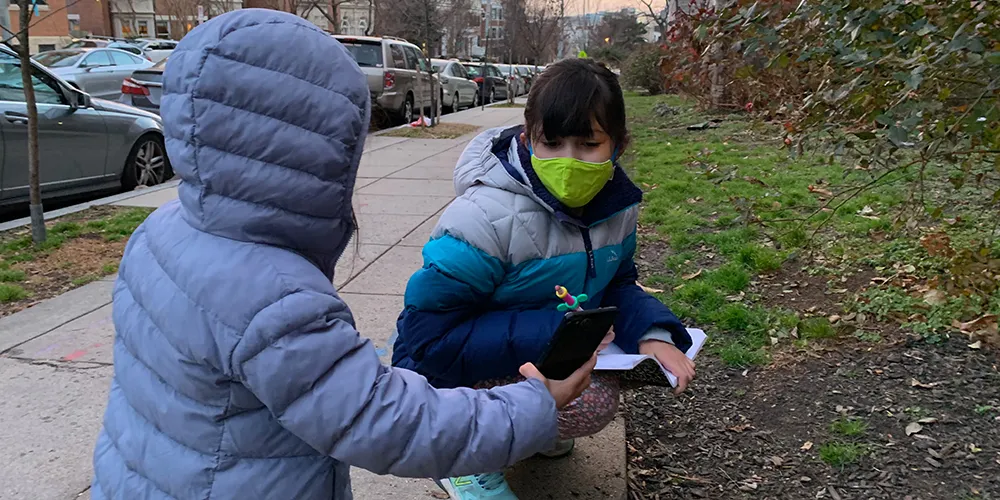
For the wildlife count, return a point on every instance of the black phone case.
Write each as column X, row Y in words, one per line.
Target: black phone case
column 583, row 341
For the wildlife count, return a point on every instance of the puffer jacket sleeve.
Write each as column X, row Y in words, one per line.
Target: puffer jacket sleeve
column 304, row 360
column 448, row 327
column 639, row 312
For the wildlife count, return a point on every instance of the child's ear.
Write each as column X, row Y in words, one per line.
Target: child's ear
column 524, row 139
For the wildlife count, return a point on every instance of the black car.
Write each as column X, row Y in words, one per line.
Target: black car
column 492, row 83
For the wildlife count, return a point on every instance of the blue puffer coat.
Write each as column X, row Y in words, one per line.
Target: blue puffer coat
column 238, row 371
column 483, row 302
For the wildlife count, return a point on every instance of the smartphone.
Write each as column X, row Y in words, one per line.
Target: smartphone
column 579, row 334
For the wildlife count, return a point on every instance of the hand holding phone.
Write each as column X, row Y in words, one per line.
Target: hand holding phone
column 578, row 337
column 563, row 391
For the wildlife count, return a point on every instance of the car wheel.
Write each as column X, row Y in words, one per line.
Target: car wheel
column 408, row 109
column 446, row 108
column 147, row 164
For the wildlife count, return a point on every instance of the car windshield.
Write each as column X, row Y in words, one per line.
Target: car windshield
column 59, row 58
column 474, row 70
column 439, row 66
column 367, row 55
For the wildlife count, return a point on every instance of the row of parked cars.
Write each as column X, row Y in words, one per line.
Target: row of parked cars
column 88, row 142
column 397, row 72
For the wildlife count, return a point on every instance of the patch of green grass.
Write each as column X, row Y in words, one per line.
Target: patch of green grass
column 123, row 224
column 68, row 228
column 508, row 105
column 11, row 293
column 108, row 269
column 737, row 353
column 841, row 454
column 849, row 427
column 730, row 278
column 11, row 275
column 83, row 280
column 816, row 328
column 983, row 409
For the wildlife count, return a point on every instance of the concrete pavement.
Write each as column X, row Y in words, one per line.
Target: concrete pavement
column 56, row 360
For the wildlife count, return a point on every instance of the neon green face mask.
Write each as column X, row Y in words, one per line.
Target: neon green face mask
column 573, row 182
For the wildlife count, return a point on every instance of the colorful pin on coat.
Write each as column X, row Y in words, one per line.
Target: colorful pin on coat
column 570, row 302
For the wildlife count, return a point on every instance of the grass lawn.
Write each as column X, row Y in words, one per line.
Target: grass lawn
column 836, row 351
column 723, row 238
column 80, row 248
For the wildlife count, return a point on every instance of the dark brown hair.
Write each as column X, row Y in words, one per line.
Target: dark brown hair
column 568, row 94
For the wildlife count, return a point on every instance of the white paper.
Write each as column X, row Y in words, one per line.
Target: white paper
column 614, row 359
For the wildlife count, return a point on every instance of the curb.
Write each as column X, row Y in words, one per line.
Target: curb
column 108, row 200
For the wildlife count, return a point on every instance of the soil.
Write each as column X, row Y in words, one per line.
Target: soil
column 440, row 131
column 759, row 433
column 76, row 262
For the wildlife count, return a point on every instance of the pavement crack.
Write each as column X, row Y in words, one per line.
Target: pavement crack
column 62, row 365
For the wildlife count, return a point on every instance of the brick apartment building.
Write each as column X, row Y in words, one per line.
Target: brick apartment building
column 49, row 29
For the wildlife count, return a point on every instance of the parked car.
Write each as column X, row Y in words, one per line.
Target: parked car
column 156, row 50
column 492, row 84
column 98, row 72
column 514, row 79
column 528, row 73
column 391, row 66
column 86, row 144
column 144, row 88
column 109, row 43
column 457, row 88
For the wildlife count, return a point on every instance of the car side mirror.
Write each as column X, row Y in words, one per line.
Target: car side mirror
column 77, row 98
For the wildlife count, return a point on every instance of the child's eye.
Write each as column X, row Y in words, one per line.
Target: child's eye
column 551, row 144
column 593, row 144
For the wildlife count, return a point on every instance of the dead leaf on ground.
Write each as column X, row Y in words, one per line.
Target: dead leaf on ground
column 986, row 323
column 913, row 428
column 916, row 383
column 935, row 297
column 976, row 345
column 821, row 191
column 648, row 289
column 689, row 277
column 927, row 420
column 806, row 446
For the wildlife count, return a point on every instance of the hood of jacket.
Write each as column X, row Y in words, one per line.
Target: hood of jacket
column 267, row 142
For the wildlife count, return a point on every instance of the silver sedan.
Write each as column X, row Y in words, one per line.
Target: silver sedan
column 98, row 72
column 457, row 88
column 85, row 145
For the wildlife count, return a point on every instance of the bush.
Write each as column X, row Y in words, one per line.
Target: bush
column 642, row 69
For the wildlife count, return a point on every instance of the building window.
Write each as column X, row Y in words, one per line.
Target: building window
column 144, row 28
column 162, row 29
column 363, row 24
column 345, row 26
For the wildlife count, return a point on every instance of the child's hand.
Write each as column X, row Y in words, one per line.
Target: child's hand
column 672, row 359
column 608, row 339
column 563, row 391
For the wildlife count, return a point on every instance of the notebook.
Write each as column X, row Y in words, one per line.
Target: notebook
column 638, row 369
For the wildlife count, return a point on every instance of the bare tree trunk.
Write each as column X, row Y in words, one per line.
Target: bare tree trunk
column 35, row 192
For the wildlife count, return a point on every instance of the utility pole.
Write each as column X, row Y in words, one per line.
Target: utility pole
column 487, row 18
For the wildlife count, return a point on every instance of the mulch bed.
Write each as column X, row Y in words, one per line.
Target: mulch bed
column 758, row 433
column 77, row 261
column 739, row 434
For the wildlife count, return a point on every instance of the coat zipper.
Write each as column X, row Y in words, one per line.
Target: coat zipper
column 589, row 246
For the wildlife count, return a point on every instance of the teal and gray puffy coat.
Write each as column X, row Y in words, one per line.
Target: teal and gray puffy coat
column 483, row 302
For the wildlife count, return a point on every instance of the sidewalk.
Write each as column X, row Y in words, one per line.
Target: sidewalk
column 56, row 361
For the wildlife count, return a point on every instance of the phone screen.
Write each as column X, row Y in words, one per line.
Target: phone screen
column 576, row 339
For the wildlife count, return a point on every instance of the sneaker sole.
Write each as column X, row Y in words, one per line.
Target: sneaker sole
column 446, row 486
